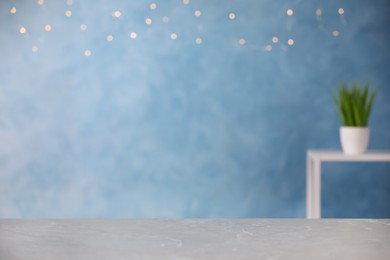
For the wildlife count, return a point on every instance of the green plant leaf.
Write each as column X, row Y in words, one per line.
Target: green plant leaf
column 356, row 114
column 369, row 106
column 354, row 103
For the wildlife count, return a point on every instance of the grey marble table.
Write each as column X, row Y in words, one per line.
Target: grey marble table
column 194, row 239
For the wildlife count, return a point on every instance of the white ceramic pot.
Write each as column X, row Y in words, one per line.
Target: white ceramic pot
column 354, row 140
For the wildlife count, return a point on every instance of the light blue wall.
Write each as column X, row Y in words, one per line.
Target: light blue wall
column 155, row 127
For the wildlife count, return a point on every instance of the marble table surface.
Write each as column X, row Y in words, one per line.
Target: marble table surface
column 186, row 239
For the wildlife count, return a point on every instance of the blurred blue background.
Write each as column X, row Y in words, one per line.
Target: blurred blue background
column 198, row 114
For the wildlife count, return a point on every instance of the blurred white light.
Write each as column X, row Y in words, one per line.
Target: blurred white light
column 186, row 2
column 198, row 40
column 290, row 12
column 197, row 13
column 173, row 36
column 13, row 10
column 341, row 11
column 242, row 41
column 116, row 14
column 68, row 13
column 34, row 48
column 232, row 16
column 336, row 33
column 275, row 39
column 133, row 35
column 22, row 29
column 47, row 27
column 318, row 12
column 148, row 21
column 153, row 6
column 110, row 38
column 290, row 42
column 83, row 27
column 87, row 53
column 41, row 2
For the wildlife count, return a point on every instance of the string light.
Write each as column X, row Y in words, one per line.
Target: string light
column 133, row 35
column 153, row 6
column 47, row 27
column 165, row 19
column 198, row 40
column 87, row 53
column 22, row 30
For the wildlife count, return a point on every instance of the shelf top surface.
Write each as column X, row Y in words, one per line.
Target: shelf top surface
column 337, row 155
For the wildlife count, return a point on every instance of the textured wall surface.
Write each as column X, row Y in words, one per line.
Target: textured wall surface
column 195, row 116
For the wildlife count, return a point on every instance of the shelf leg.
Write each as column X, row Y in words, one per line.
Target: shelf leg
column 309, row 187
column 316, row 189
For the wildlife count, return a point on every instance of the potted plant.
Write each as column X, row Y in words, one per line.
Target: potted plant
column 354, row 106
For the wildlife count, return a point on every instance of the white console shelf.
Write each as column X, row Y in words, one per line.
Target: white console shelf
column 313, row 173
